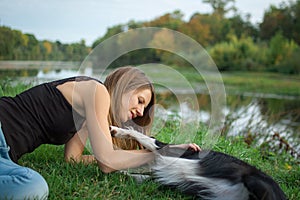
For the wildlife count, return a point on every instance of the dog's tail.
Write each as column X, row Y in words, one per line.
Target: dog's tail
column 261, row 186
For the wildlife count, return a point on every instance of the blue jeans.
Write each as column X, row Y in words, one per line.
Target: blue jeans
column 17, row 182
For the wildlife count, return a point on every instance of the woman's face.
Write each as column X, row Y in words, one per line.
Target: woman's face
column 134, row 103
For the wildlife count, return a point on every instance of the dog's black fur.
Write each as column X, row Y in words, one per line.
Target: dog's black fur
column 206, row 174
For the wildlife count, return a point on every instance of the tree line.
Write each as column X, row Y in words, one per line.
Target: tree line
column 230, row 38
column 15, row 45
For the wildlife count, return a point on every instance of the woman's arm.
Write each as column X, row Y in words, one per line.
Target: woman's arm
column 96, row 102
column 75, row 146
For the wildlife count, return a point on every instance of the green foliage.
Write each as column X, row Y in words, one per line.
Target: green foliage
column 233, row 43
column 283, row 55
column 243, row 54
column 10, row 88
column 218, row 27
column 242, row 26
column 280, row 48
column 290, row 65
column 170, row 20
column 237, row 54
column 284, row 18
column 14, row 45
column 109, row 33
column 221, row 7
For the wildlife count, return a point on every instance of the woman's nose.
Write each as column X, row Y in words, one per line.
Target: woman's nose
column 140, row 111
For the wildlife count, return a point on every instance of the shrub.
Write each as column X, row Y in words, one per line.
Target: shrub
column 283, row 55
column 237, row 54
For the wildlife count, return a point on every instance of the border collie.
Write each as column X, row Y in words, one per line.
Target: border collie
column 207, row 175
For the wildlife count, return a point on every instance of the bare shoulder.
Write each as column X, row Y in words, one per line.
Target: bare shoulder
column 92, row 89
column 90, row 86
column 78, row 94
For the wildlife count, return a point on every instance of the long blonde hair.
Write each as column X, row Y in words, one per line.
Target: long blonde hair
column 118, row 83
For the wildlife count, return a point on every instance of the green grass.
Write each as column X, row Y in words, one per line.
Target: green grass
column 253, row 82
column 7, row 89
column 79, row 181
column 269, row 83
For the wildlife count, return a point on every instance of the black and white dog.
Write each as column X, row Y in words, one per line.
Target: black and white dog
column 205, row 174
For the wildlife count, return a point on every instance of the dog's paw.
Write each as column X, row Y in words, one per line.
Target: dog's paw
column 119, row 132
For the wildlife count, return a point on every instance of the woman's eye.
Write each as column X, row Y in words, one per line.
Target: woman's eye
column 141, row 101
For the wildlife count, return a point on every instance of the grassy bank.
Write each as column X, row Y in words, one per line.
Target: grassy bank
column 264, row 83
column 252, row 82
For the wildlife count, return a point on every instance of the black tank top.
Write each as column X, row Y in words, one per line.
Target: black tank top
column 40, row 115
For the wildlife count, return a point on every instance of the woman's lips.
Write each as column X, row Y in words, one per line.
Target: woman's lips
column 132, row 115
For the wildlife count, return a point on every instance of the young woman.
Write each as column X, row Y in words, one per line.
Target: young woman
column 68, row 112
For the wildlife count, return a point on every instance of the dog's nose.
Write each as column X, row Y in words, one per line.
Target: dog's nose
column 112, row 132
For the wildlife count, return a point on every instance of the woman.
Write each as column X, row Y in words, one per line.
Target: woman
column 68, row 112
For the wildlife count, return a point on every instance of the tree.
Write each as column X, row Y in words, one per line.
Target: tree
column 237, row 54
column 198, row 30
column 6, row 43
column 221, row 7
column 33, row 50
column 110, row 32
column 271, row 22
column 295, row 10
column 242, row 26
column 284, row 18
column 170, row 20
column 280, row 49
column 219, row 27
column 48, row 47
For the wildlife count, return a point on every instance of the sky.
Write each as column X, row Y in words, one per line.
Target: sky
column 71, row 21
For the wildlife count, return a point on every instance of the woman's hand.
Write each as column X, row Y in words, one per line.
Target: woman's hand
column 192, row 146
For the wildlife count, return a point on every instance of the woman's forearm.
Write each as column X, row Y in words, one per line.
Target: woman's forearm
column 121, row 160
column 86, row 159
column 124, row 159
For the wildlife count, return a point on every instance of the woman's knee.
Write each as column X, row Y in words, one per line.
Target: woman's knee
column 39, row 185
column 25, row 183
column 36, row 184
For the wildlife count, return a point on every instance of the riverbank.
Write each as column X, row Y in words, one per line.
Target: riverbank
column 253, row 83
column 262, row 83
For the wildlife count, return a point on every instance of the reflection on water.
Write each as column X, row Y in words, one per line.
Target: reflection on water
column 244, row 115
column 60, row 74
column 45, row 75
